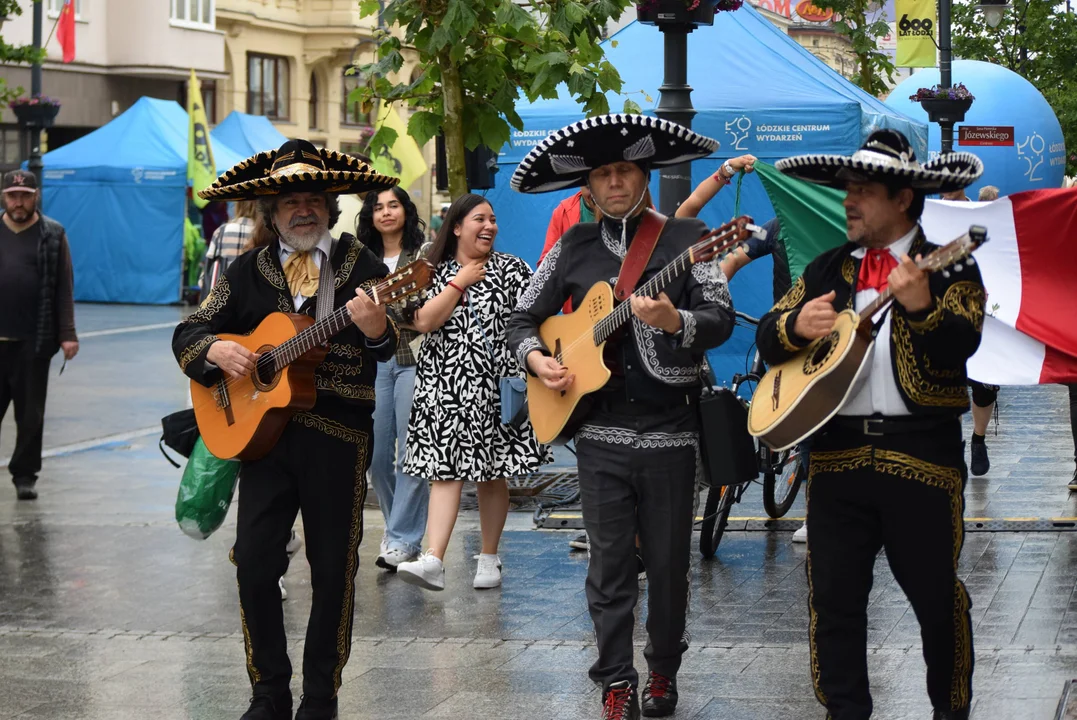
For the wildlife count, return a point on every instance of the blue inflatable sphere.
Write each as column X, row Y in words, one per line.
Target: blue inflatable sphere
column 1036, row 157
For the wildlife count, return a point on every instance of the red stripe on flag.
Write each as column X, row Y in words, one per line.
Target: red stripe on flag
column 1046, row 223
column 1058, row 367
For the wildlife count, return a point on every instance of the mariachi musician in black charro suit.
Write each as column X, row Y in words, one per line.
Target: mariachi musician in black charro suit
column 319, row 464
column 887, row 472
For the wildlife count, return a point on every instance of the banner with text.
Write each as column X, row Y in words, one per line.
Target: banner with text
column 915, row 33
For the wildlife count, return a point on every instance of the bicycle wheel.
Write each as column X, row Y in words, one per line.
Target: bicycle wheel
column 716, row 515
column 780, row 489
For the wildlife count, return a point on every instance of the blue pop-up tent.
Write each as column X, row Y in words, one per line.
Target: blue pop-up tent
column 121, row 193
column 755, row 90
column 247, row 134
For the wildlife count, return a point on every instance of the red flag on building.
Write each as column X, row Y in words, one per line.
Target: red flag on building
column 65, row 30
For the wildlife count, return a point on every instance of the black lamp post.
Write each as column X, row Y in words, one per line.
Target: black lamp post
column 35, row 165
column 675, row 21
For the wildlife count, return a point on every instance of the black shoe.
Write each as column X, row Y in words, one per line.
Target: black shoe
column 962, row 714
column 621, row 702
column 980, row 462
column 24, row 489
column 266, row 707
column 314, row 709
column 659, row 696
column 580, row 542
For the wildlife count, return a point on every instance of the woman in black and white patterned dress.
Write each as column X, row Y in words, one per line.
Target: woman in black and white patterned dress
column 455, row 433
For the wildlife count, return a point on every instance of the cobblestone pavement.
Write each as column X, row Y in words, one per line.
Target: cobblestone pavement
column 108, row 611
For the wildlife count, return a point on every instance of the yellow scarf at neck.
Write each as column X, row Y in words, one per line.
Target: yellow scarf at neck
column 302, row 274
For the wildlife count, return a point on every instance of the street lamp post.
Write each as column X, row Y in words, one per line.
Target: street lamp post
column 675, row 105
column 34, row 164
column 946, row 127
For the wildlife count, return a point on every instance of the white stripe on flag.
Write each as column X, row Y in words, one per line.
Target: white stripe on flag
column 1006, row 356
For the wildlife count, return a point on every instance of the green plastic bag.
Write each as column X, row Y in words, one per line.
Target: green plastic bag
column 205, row 492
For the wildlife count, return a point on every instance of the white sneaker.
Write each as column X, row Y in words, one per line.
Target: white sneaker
column 801, row 535
column 426, row 571
column 488, row 574
column 384, row 543
column 392, row 557
column 283, row 592
column 294, row 543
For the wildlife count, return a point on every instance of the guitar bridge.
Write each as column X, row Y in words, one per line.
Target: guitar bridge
column 557, row 354
column 224, row 401
column 777, row 390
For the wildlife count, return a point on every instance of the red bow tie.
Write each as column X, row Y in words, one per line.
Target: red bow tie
column 875, row 270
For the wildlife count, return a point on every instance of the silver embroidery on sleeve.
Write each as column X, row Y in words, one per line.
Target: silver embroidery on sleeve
column 528, row 344
column 715, row 288
column 539, row 279
column 688, row 328
column 645, row 344
column 637, row 441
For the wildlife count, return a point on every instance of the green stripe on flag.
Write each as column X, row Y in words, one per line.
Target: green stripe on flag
column 812, row 216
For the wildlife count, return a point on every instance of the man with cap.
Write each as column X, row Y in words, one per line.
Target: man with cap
column 894, row 451
column 637, row 449
column 318, row 466
column 38, row 318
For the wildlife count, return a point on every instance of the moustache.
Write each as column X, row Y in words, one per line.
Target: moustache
column 303, row 220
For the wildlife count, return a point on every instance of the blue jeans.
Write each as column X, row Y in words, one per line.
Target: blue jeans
column 403, row 498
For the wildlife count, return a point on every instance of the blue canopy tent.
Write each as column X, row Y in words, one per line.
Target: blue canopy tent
column 755, row 90
column 121, row 192
column 247, row 134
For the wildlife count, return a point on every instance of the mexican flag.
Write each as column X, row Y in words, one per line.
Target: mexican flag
column 1029, row 268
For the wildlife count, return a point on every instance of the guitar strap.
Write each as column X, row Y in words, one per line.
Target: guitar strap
column 639, row 253
column 326, row 285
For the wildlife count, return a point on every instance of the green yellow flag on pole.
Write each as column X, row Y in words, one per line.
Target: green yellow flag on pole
column 916, row 20
column 201, row 170
column 404, row 159
column 812, row 216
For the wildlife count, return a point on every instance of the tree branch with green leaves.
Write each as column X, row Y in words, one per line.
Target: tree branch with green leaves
column 14, row 54
column 861, row 22
column 478, row 58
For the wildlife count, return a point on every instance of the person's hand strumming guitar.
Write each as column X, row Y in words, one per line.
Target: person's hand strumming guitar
column 816, row 319
column 232, row 358
column 553, row 374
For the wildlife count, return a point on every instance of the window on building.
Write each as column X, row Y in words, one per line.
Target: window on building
column 209, row 98
column 10, row 147
column 193, row 13
column 267, row 86
column 351, row 113
column 352, row 148
column 312, row 107
column 55, row 6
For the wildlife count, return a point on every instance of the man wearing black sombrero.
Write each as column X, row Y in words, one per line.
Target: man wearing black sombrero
column 888, row 472
column 319, row 464
column 638, row 446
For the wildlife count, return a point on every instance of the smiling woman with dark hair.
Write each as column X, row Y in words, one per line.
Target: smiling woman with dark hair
column 455, row 433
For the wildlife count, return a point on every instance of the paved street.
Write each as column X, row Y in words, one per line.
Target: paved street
column 108, row 611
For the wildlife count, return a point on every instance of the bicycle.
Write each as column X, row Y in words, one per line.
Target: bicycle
column 783, row 472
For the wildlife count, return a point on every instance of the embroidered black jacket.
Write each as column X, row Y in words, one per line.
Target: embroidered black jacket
column 649, row 365
column 928, row 349
column 254, row 286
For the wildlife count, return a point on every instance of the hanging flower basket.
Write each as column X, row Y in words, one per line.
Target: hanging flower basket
column 35, row 112
column 945, row 105
column 693, row 13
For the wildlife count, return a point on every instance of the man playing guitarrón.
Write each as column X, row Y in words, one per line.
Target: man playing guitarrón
column 895, row 449
column 319, row 464
column 638, row 446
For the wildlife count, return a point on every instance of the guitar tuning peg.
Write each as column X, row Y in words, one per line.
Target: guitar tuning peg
column 970, row 261
column 958, row 267
column 946, row 273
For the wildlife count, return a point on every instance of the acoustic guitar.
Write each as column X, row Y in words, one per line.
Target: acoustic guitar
column 243, row 418
column 800, row 395
column 578, row 339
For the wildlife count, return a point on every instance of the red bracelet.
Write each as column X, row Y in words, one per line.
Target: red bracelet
column 720, row 177
column 456, row 287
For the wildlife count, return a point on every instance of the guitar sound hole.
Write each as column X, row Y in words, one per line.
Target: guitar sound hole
column 821, row 353
column 265, row 376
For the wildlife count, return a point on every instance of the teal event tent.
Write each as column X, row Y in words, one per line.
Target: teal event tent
column 247, row 134
column 755, row 90
column 121, row 193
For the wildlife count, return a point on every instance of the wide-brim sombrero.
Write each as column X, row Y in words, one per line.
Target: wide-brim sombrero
column 886, row 157
column 566, row 157
column 297, row 166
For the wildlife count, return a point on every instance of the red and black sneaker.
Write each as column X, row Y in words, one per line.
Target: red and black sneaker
column 659, row 696
column 621, row 702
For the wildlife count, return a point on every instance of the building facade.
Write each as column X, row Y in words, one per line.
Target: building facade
column 125, row 49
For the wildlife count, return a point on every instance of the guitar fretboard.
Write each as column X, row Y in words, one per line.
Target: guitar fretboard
column 608, row 325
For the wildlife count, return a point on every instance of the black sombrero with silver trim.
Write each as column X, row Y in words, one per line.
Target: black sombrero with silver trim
column 886, row 156
column 297, row 166
column 566, row 156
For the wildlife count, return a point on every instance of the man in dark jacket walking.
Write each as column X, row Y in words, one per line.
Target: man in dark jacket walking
column 38, row 318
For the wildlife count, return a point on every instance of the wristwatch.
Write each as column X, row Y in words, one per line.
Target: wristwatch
column 727, row 168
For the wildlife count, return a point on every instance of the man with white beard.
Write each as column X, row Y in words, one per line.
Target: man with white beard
column 318, row 466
